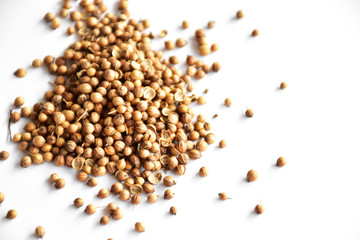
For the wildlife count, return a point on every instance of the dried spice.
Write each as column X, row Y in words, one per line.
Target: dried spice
column 252, row 176
column 139, row 227
column 281, row 161
column 259, row 209
column 39, row 232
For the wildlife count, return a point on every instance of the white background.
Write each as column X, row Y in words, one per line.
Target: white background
column 313, row 45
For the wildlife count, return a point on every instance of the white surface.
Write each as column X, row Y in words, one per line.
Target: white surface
column 313, row 45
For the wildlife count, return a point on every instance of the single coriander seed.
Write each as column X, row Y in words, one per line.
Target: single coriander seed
column 214, row 47
column 49, row 17
column 249, row 113
column 203, row 172
column 255, row 33
column 54, row 177
column 4, row 155
column 185, row 24
column 223, row 196
column 227, row 102
column 139, row 227
column 173, row 210
column 168, row 194
column 20, row 73
column 259, row 209
column 15, row 117
column 90, row 209
column 55, row 23
column 19, row 101
column 2, row 197
column 239, row 14
column 252, row 176
column 60, row 183
column 37, row 63
column 222, row 143
column 283, row 85
column 281, row 161
column 104, row 220
column 78, row 202
column 211, row 24
column 11, row 214
column 39, row 232
column 216, row 66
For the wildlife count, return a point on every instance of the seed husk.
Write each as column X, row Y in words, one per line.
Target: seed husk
column 136, row 189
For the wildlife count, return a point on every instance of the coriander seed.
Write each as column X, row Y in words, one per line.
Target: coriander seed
column 90, row 209
column 252, row 176
column 169, row 181
column 210, row 138
column 15, row 117
column 104, row 220
column 203, row 172
column 169, row 45
column 92, row 182
column 152, row 198
column 227, row 102
column 39, row 232
column 49, row 17
column 139, row 227
column 283, row 85
column 103, row 193
column 116, row 188
column 37, row 63
column 60, row 183
column 11, row 214
column 223, row 196
column 117, row 214
column 25, row 112
column 216, row 66
column 211, row 24
column 204, row 50
column 173, row 210
column 255, row 33
column 180, row 42
column 78, row 202
column 112, row 206
column 19, row 101
column 25, row 162
column 124, row 195
column 168, row 194
column 259, row 209
column 281, row 161
column 136, row 199
column 214, row 47
column 4, row 155
column 222, row 143
column 239, row 14
column 55, row 23
column 54, row 177
column 20, row 73
column 249, row 113
column 2, row 197
column 185, row 24
column 201, row 100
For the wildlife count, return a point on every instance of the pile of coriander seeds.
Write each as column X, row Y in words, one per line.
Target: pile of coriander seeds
column 117, row 107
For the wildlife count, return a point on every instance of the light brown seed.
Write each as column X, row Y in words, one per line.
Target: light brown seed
column 222, row 143
column 255, row 33
column 173, row 210
column 223, row 196
column 259, row 209
column 239, row 14
column 283, row 85
column 281, row 161
column 227, row 102
column 203, row 172
column 249, row 113
column 139, row 227
column 39, row 232
column 20, row 73
column 185, row 24
column 252, row 176
column 78, row 202
column 11, row 214
column 37, row 63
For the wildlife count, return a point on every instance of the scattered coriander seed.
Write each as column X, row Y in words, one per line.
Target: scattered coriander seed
column 90, row 209
column 103, row 193
column 168, row 194
column 139, row 227
column 78, row 202
column 60, row 183
column 25, row 162
column 15, row 117
column 136, row 199
column 39, row 232
column 249, row 113
column 259, row 209
column 215, row 116
column 203, row 172
column 281, row 161
column 227, row 102
column 124, row 195
column 92, row 182
column 252, row 176
column 185, row 24
column 210, row 138
column 4, row 155
column 11, row 214
column 190, row 60
column 283, row 85
column 255, row 33
column 204, row 50
column 112, row 206
column 169, row 45
column 49, row 17
column 55, row 23
column 222, row 143
column 37, row 63
column 20, row 73
column 54, row 177
column 152, row 198
column 239, row 14
column 70, row 30
column 211, row 24
column 216, row 66
column 180, row 42
column 48, row 60
column 173, row 210
column 64, row 13
column 117, row 214
column 206, row 90
column 25, row 112
column 201, row 145
column 201, row 100
column 104, row 220
column 223, row 196
column 214, row 47
column 169, row 181
column 2, row 197
column 116, row 188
